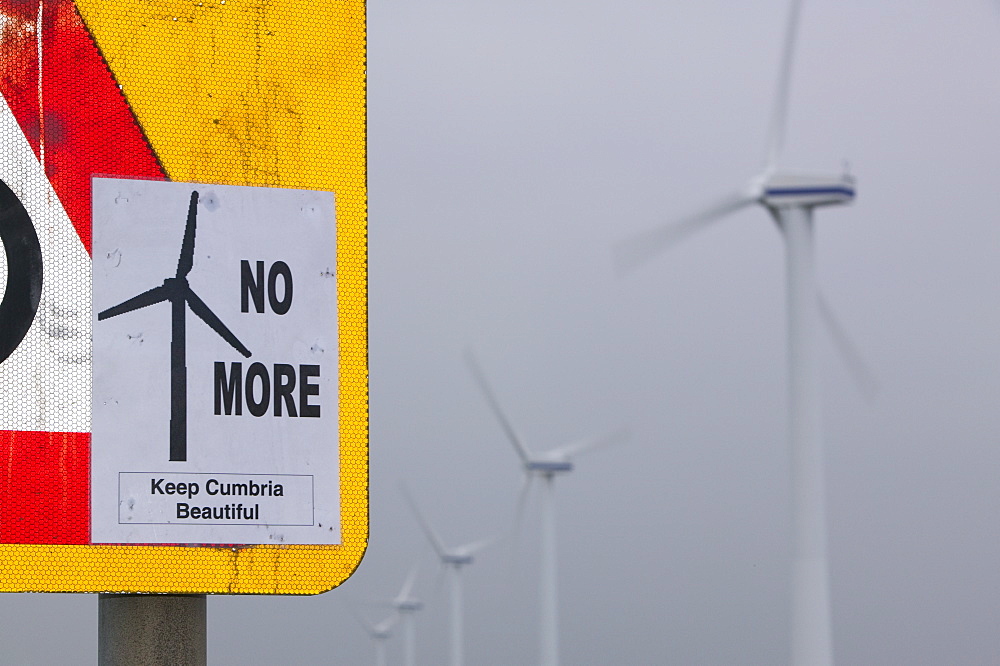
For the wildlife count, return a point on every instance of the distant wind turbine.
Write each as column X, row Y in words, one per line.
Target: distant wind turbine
column 177, row 290
column 790, row 200
column 380, row 633
column 544, row 466
column 406, row 605
column 453, row 559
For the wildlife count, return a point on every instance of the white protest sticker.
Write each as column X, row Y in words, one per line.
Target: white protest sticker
column 215, row 403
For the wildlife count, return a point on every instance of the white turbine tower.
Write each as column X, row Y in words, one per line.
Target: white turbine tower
column 453, row 559
column 544, row 466
column 790, row 199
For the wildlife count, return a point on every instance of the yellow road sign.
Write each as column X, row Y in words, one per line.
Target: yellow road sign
column 251, row 93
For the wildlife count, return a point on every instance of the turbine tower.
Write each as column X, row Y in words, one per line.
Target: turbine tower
column 177, row 290
column 453, row 559
column 790, row 200
column 544, row 466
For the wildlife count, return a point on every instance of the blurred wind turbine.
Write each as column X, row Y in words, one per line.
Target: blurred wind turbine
column 544, row 466
column 380, row 633
column 406, row 606
column 453, row 559
column 790, row 200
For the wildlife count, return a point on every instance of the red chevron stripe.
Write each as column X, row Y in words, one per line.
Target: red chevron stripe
column 88, row 129
column 88, row 126
column 44, row 487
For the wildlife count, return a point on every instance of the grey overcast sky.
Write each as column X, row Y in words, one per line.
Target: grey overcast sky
column 511, row 145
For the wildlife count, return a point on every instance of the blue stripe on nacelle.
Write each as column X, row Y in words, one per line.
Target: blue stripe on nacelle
column 806, row 191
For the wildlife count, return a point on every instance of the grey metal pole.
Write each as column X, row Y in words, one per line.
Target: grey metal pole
column 134, row 629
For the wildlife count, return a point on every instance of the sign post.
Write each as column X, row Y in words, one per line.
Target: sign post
column 183, row 323
column 140, row 629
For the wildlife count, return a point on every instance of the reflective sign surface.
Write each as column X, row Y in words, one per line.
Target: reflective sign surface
column 265, row 93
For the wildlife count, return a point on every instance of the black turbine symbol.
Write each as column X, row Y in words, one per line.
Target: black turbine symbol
column 177, row 290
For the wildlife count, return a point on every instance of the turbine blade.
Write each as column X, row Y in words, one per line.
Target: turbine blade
column 637, row 250
column 366, row 625
column 199, row 308
column 151, row 297
column 474, row 547
column 186, row 261
column 439, row 580
column 583, row 446
column 779, row 114
column 512, row 435
column 522, row 500
column 860, row 371
column 407, row 588
column 385, row 625
column 431, row 535
column 372, row 629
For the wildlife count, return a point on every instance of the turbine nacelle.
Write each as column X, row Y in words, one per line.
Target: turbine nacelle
column 380, row 633
column 548, row 467
column 783, row 190
column 408, row 605
column 176, row 287
column 456, row 559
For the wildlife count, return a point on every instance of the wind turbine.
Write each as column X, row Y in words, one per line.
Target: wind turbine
column 380, row 633
column 544, row 466
column 177, row 290
column 406, row 605
column 453, row 559
column 790, row 200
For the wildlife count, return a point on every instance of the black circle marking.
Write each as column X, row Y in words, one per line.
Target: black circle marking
column 24, row 272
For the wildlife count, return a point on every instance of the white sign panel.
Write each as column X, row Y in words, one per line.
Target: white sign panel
column 215, row 403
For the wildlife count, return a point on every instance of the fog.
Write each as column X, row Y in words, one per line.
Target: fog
column 511, row 145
